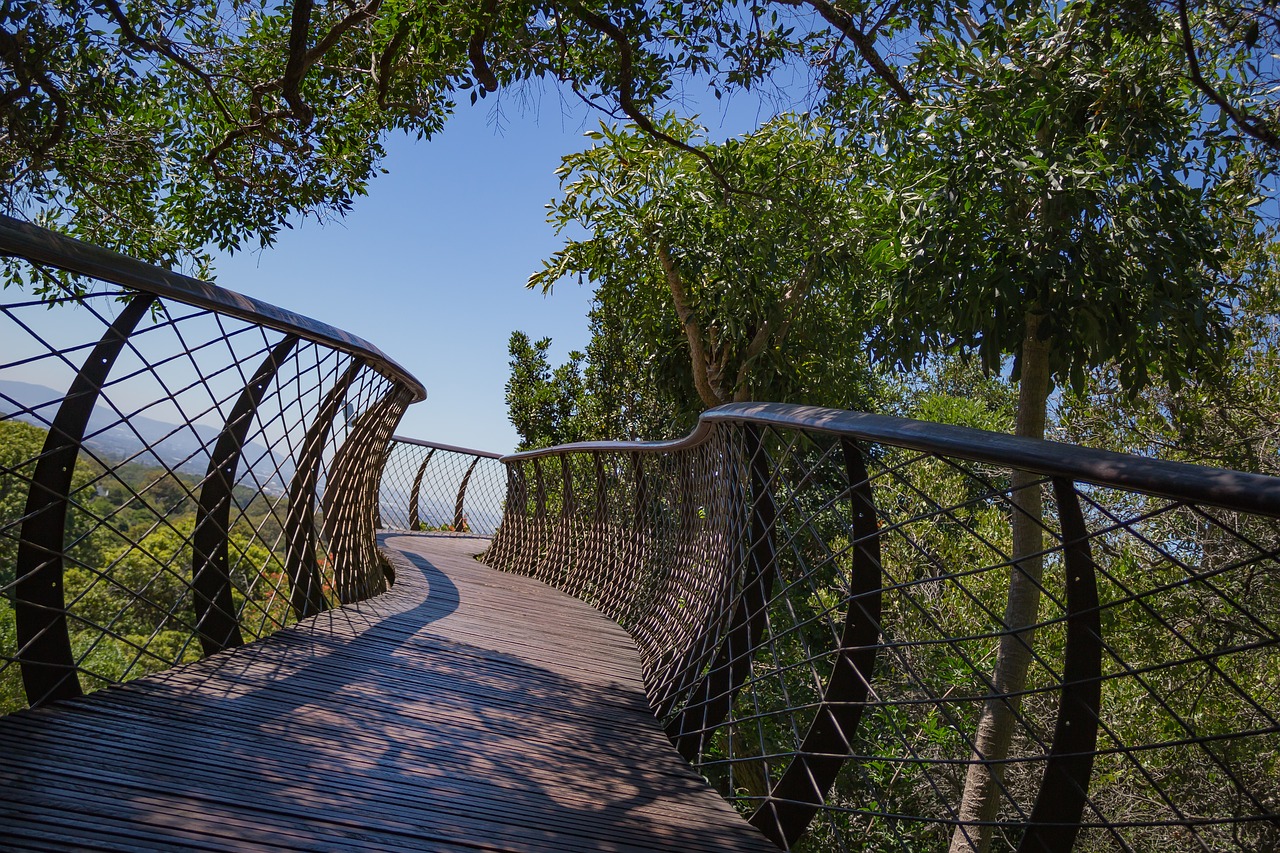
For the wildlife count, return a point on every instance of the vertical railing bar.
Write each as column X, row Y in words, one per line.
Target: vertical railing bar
column 415, row 520
column 44, row 643
column 458, row 516
column 803, row 788
column 217, row 622
column 306, row 590
column 1055, row 818
column 691, row 729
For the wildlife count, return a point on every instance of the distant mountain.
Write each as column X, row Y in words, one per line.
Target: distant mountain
column 144, row 440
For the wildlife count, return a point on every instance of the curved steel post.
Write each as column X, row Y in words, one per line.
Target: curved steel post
column 415, row 520
column 804, row 785
column 40, row 609
column 574, row 569
column 713, row 699
column 350, row 495
column 458, row 517
column 601, row 513
column 540, row 523
column 306, row 590
column 517, row 513
column 215, row 610
column 1064, row 790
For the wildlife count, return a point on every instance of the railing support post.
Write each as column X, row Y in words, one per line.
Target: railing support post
column 1055, row 818
column 40, row 609
column 713, row 700
column 415, row 518
column 351, row 494
column 306, row 592
column 458, row 517
column 216, row 622
column 803, row 787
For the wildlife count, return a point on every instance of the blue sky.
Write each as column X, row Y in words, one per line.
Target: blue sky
column 430, row 266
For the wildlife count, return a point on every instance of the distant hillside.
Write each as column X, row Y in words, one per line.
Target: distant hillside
column 181, row 447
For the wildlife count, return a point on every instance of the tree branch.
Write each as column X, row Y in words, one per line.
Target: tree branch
column 626, row 92
column 786, row 313
column 165, row 48
column 12, row 49
column 329, row 39
column 843, row 22
column 1250, row 126
column 302, row 59
column 475, row 48
column 386, row 61
column 296, row 67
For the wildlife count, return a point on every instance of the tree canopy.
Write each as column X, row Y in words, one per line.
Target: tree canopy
column 163, row 128
column 758, row 291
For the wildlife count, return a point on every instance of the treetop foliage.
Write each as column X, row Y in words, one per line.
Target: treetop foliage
column 163, row 128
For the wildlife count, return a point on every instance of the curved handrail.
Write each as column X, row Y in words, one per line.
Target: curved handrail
column 818, row 596
column 1218, row 487
column 42, row 246
column 452, row 448
column 208, row 475
column 415, row 469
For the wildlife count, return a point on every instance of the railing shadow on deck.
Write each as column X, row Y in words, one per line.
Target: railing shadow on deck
column 818, row 597
column 259, row 711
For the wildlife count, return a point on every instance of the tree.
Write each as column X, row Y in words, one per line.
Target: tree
column 546, row 406
column 1057, row 205
column 161, row 128
column 757, row 289
column 1227, row 417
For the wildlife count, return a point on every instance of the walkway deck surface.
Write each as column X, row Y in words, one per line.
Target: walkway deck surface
column 464, row 710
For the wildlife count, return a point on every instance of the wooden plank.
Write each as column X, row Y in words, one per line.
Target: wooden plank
column 464, row 710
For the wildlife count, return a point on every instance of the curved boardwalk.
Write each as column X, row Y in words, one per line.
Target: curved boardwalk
column 464, row 710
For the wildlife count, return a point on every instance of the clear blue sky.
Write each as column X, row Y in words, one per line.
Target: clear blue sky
column 430, row 266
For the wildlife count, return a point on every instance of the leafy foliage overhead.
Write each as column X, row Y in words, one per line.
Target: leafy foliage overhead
column 165, row 127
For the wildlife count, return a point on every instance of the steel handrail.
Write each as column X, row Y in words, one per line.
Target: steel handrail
column 452, row 448
column 1179, row 481
column 39, row 245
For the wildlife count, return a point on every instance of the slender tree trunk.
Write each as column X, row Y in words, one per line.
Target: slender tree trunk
column 708, row 393
column 749, row 775
column 982, row 786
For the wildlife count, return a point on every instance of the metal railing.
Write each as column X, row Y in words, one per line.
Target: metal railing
column 820, row 601
column 441, row 488
column 182, row 469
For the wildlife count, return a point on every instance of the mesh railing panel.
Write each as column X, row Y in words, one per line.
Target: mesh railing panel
column 175, row 479
column 440, row 488
column 820, row 617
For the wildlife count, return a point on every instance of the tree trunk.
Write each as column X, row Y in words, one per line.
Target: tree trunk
column 709, row 394
column 982, row 786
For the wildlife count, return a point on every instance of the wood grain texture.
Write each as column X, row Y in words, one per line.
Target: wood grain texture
column 464, row 710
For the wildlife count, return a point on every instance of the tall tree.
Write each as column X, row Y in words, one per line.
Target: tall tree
column 1057, row 205
column 757, row 289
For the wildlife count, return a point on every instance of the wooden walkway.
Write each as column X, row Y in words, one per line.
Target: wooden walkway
column 464, row 710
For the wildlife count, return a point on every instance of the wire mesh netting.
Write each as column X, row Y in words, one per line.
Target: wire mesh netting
column 175, row 480
column 871, row 647
column 441, row 489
